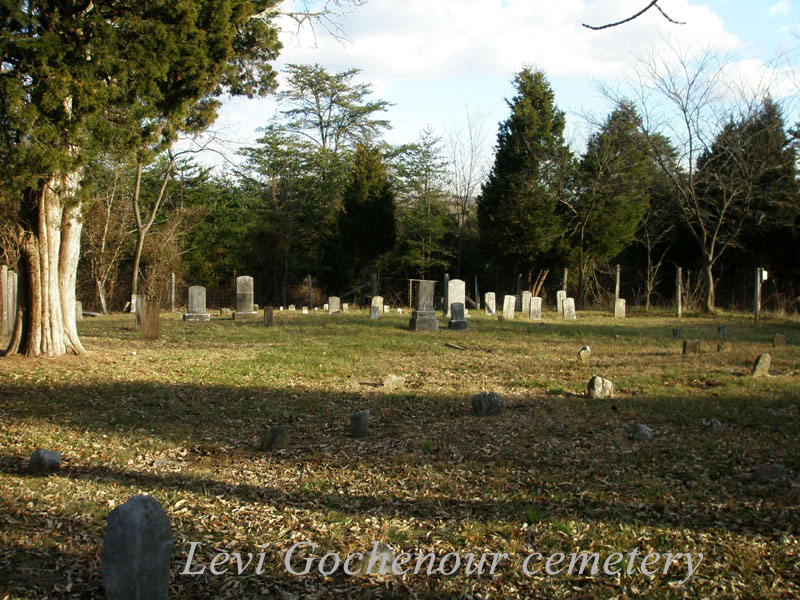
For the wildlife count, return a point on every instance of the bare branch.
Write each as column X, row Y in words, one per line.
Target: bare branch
column 325, row 16
column 653, row 4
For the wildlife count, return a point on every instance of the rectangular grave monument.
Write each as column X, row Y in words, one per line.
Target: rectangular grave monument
column 245, row 311
column 334, row 305
column 456, row 292
column 619, row 308
column 149, row 312
column 489, row 303
column 423, row 317
column 196, row 306
column 560, row 297
column 569, row 308
column 536, row 308
column 509, row 306
column 526, row 303
column 457, row 320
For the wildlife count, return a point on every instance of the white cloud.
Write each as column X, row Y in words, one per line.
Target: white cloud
column 781, row 8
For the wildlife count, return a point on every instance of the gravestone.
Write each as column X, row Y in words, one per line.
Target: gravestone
column 392, row 383
column 359, row 424
column 269, row 316
column 136, row 551
column 324, row 307
column 150, row 323
column 761, row 365
column 509, row 302
column 304, row 310
column 196, row 306
column 642, row 433
column 292, row 307
column 569, row 308
column 138, row 302
column 245, row 310
column 487, row 403
column 345, row 307
column 619, row 308
column 456, row 292
column 334, row 305
column 377, row 301
column 536, row 308
column 4, row 293
column 561, row 295
column 778, row 340
column 386, row 308
column 585, row 355
column 517, row 303
column 271, row 439
column 526, row 303
column 677, row 333
column 423, row 317
column 722, row 330
column 44, row 461
column 599, row 388
column 374, row 312
column 489, row 303
column 457, row 320
column 691, row 347
column 78, row 310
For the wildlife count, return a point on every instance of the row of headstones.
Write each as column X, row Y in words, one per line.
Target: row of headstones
column 9, row 281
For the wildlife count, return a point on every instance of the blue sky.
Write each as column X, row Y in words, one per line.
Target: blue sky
column 435, row 59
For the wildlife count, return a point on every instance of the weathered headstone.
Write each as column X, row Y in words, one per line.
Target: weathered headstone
column 561, row 295
column 334, row 305
column 345, row 307
column 150, row 322
column 386, row 308
column 423, row 317
column 269, row 316
column 585, row 355
column 244, row 299
column 642, row 433
column 722, row 330
column 487, row 403
column 761, row 365
column 275, row 438
column 78, row 310
column 196, row 306
column 715, row 423
column 691, row 347
column 378, row 561
column 526, row 303
column 619, row 308
column 136, row 551
column 569, row 308
column 304, row 310
column 778, row 340
column 599, row 388
column 509, row 302
column 44, row 461
column 374, row 312
column 292, row 307
column 392, row 383
column 359, row 424
column 489, row 303
column 518, row 302
column 377, row 301
column 456, row 292
column 325, row 307
column 457, row 320
column 536, row 308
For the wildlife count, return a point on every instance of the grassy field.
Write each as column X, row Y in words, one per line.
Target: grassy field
column 554, row 473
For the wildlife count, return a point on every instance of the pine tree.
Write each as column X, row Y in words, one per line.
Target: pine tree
column 518, row 210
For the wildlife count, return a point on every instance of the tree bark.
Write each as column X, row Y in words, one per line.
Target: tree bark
column 49, row 251
column 709, row 275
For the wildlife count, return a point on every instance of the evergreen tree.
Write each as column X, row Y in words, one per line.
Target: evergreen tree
column 518, row 210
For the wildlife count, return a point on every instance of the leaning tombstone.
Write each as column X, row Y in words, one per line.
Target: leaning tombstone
column 78, row 310
column 489, row 303
column 245, row 310
column 561, row 295
column 196, row 306
column 423, row 317
column 136, row 551
column 536, row 308
column 585, row 355
column 374, row 312
column 569, row 308
column 456, row 292
column 359, row 424
column 334, row 305
column 269, row 317
column 150, row 323
column 526, row 303
column 619, row 308
column 761, row 365
column 509, row 303
column 457, row 320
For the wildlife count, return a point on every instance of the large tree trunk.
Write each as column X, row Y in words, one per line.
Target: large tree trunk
column 49, row 251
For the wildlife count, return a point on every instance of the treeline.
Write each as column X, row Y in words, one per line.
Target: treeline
column 708, row 184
